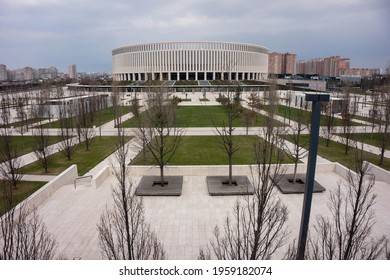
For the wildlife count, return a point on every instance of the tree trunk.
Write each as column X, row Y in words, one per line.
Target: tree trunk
column 230, row 182
column 162, row 175
column 383, row 146
column 295, row 172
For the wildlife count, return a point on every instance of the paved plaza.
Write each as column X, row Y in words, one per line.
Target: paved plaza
column 183, row 224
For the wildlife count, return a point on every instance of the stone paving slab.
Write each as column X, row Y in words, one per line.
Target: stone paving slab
column 287, row 187
column 216, row 186
column 147, row 186
column 182, row 223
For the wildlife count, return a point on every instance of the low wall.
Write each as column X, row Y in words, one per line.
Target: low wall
column 100, row 177
column 217, row 170
column 341, row 170
column 379, row 173
column 67, row 177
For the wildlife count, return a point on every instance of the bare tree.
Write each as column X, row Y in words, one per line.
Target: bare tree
column 249, row 119
column 135, row 107
column 115, row 99
column 257, row 228
column 233, row 109
column 141, row 132
column 123, row 231
column 298, row 151
column 5, row 110
column 348, row 110
column 374, row 113
column 347, row 233
column 9, row 159
column 158, row 131
column 385, row 98
column 23, row 235
column 329, row 122
column 254, row 101
column 84, row 124
column 21, row 114
column 41, row 145
column 66, row 135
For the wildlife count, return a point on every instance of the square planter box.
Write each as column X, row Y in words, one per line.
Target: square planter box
column 148, row 187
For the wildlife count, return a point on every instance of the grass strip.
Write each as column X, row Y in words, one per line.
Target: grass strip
column 101, row 148
column 206, row 150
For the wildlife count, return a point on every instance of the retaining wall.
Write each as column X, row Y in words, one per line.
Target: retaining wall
column 67, row 177
column 217, row 170
column 101, row 176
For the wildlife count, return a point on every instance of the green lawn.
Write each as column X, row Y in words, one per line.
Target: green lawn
column 100, row 117
column 336, row 153
column 85, row 160
column 29, row 122
column 23, row 190
column 367, row 119
column 292, row 113
column 206, row 116
column 205, row 150
column 24, row 144
column 374, row 139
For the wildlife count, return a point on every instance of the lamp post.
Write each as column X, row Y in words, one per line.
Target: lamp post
column 316, row 100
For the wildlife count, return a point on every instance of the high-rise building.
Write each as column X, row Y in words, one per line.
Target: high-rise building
column 362, row 72
column 281, row 63
column 3, row 72
column 330, row 66
column 72, row 71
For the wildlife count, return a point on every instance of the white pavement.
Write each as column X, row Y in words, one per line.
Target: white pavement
column 183, row 224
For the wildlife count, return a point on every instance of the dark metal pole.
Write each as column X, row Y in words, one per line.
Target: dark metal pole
column 311, row 168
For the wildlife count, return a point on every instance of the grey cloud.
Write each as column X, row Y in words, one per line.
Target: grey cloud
column 58, row 32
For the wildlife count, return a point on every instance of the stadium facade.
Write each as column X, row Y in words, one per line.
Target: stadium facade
column 190, row 61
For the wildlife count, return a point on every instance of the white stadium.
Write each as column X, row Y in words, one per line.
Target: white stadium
column 190, row 61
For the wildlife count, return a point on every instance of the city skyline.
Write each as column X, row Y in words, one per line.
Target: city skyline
column 54, row 32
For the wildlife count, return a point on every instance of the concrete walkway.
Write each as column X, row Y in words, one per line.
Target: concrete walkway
column 183, row 224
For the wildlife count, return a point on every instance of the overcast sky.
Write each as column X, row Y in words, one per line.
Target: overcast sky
column 43, row 33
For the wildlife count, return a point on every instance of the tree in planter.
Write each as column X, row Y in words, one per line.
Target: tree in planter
column 298, row 150
column 123, row 231
column 231, row 102
column 158, row 131
column 256, row 230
